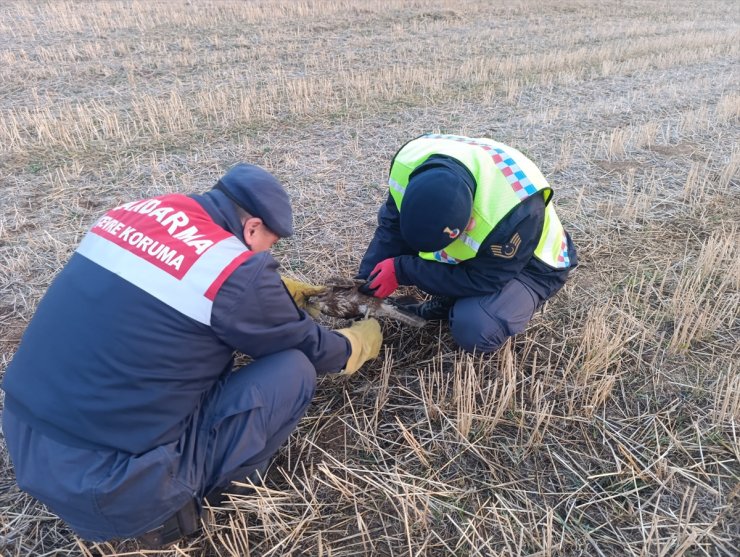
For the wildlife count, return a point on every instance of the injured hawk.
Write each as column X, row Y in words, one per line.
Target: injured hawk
column 343, row 299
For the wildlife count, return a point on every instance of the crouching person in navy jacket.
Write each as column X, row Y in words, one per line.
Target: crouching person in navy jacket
column 122, row 411
column 471, row 222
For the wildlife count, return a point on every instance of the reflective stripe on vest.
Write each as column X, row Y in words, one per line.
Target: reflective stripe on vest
column 504, row 178
column 169, row 247
column 553, row 246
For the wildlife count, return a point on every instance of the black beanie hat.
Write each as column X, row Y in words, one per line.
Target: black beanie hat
column 437, row 204
column 260, row 194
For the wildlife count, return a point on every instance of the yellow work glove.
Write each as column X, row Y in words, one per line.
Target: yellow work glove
column 365, row 339
column 301, row 292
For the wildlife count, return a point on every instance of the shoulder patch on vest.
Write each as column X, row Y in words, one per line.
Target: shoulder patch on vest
column 509, row 249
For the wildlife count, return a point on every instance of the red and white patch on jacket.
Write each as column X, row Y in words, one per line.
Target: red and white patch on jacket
column 168, row 246
column 170, row 231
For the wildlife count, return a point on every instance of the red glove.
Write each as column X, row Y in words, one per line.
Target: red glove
column 382, row 281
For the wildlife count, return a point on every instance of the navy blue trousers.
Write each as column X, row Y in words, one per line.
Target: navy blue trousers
column 483, row 323
column 105, row 494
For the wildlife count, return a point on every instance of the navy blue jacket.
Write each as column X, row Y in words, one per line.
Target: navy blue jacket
column 482, row 275
column 104, row 364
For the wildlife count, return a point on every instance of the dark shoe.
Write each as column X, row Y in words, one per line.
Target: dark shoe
column 436, row 309
column 183, row 523
column 221, row 494
column 218, row 496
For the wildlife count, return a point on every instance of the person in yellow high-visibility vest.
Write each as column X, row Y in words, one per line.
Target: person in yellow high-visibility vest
column 470, row 221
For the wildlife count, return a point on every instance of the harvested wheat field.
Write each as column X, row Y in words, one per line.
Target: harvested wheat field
column 611, row 427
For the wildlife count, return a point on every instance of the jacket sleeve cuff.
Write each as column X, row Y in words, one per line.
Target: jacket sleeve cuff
column 401, row 278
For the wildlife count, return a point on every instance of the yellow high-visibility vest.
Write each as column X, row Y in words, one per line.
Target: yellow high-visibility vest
column 504, row 178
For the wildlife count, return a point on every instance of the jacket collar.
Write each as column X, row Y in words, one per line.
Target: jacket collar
column 222, row 211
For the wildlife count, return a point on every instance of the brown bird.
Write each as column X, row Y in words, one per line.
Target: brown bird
column 343, row 299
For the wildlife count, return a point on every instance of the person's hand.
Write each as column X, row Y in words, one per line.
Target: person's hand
column 382, row 281
column 365, row 339
column 301, row 292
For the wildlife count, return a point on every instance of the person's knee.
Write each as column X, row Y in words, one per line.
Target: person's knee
column 471, row 337
column 285, row 380
column 483, row 324
column 297, row 373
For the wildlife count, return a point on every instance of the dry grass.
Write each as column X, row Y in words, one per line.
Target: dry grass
column 611, row 427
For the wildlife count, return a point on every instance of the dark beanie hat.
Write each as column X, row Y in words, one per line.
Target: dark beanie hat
column 260, row 194
column 437, row 204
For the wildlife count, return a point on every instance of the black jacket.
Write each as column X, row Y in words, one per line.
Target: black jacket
column 484, row 274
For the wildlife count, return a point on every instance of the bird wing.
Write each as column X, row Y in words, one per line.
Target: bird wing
column 389, row 309
column 343, row 299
